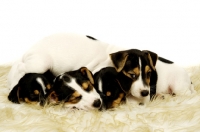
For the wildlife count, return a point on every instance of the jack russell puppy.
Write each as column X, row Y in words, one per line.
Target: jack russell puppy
column 67, row 52
column 32, row 88
column 74, row 89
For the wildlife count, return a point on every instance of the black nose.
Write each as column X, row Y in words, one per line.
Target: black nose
column 97, row 103
column 144, row 93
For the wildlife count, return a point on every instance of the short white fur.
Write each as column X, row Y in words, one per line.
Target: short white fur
column 87, row 99
column 39, row 80
column 138, row 86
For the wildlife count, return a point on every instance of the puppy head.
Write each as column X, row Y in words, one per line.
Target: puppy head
column 75, row 89
column 109, row 87
column 137, row 65
column 31, row 88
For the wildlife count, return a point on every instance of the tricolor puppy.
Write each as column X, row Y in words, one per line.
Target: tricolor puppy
column 135, row 68
column 148, row 71
column 112, row 86
column 75, row 90
column 32, row 88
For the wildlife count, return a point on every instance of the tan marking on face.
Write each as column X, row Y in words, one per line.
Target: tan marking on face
column 136, row 71
column 117, row 101
column 48, row 86
column 76, row 94
column 36, row 92
column 147, row 69
column 108, row 93
column 28, row 101
column 85, row 85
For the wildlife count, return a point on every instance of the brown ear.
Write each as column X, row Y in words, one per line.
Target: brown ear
column 152, row 58
column 87, row 72
column 119, row 59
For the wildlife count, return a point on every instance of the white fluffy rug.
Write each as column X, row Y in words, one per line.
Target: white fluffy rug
column 178, row 114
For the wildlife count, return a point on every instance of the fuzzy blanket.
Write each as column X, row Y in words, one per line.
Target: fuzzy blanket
column 178, row 114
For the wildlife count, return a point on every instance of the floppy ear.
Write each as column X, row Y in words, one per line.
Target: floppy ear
column 87, row 72
column 152, row 58
column 14, row 94
column 119, row 59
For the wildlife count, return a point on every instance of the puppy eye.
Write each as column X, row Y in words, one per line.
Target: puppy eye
column 149, row 74
column 133, row 76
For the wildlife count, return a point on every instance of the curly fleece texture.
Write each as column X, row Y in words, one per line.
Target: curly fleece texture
column 180, row 113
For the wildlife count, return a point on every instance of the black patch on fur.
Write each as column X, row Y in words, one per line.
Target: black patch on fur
column 62, row 91
column 113, row 82
column 153, row 82
column 90, row 37
column 165, row 60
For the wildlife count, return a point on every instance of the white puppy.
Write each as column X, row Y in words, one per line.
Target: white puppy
column 61, row 53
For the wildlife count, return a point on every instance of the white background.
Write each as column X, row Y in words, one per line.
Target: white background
column 170, row 28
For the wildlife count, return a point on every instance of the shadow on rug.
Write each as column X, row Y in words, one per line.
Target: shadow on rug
column 171, row 114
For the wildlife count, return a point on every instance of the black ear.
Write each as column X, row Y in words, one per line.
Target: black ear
column 153, row 57
column 119, row 59
column 14, row 94
column 88, row 73
column 49, row 76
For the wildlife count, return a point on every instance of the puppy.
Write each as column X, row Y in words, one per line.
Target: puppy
column 60, row 53
column 32, row 88
column 158, row 74
column 75, row 90
column 112, row 86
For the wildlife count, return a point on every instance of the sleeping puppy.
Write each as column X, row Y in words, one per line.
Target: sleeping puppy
column 60, row 53
column 32, row 88
column 112, row 86
column 75, row 90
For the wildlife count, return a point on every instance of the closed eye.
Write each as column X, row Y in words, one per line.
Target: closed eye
column 78, row 98
column 75, row 99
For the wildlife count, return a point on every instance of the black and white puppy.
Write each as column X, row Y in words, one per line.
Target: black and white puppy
column 32, row 88
column 112, row 86
column 75, row 90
